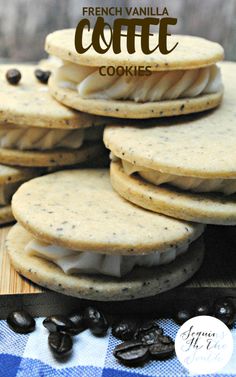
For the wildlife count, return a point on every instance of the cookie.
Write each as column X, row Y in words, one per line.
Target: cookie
column 30, row 104
column 35, row 130
column 202, row 208
column 185, row 81
column 85, row 229
column 185, row 168
column 55, row 158
column 141, row 282
column 10, row 179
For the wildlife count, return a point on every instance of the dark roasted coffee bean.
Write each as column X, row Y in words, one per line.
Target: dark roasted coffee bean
column 13, row 76
column 149, row 336
column 96, row 321
column 161, row 351
column 148, row 332
column 224, row 310
column 165, row 339
column 79, row 322
column 202, row 309
column 131, row 353
column 59, row 323
column 124, row 329
column 21, row 322
column 182, row 316
column 60, row 343
column 42, row 76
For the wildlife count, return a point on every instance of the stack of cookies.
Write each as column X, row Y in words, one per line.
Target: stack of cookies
column 37, row 132
column 140, row 232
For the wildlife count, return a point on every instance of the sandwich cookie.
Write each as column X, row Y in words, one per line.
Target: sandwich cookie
column 84, row 240
column 35, row 130
column 185, row 81
column 10, row 179
column 186, row 168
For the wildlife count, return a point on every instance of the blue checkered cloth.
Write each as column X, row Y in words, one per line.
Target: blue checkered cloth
column 29, row 356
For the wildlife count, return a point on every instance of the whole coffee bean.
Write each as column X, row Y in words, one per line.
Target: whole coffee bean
column 149, row 336
column 148, row 333
column 60, row 343
column 96, row 321
column 124, row 329
column 224, row 310
column 161, row 351
column 78, row 321
column 182, row 316
column 42, row 76
column 59, row 323
column 165, row 339
column 202, row 309
column 21, row 322
column 13, row 76
column 131, row 353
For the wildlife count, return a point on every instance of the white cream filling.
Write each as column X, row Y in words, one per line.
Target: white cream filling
column 226, row 186
column 161, row 85
column 113, row 265
column 45, row 138
column 7, row 190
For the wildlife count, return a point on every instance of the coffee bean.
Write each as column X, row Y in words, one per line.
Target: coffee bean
column 59, row 323
column 60, row 343
column 13, row 76
column 150, row 336
column 182, row 316
column 202, row 309
column 148, row 333
column 161, row 351
column 42, row 76
column 96, row 321
column 124, row 329
column 165, row 339
column 131, row 353
column 224, row 310
column 21, row 322
column 79, row 322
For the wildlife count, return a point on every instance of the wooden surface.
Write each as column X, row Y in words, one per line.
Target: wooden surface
column 217, row 277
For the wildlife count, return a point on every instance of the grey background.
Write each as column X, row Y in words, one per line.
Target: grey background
column 25, row 23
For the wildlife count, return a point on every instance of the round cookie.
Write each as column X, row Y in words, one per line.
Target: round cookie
column 130, row 109
column 80, row 211
column 61, row 43
column 141, row 282
column 55, row 157
column 190, row 53
column 30, row 104
column 200, row 146
column 202, row 208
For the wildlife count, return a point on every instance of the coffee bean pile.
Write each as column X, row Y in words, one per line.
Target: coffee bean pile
column 223, row 309
column 143, row 342
column 62, row 329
